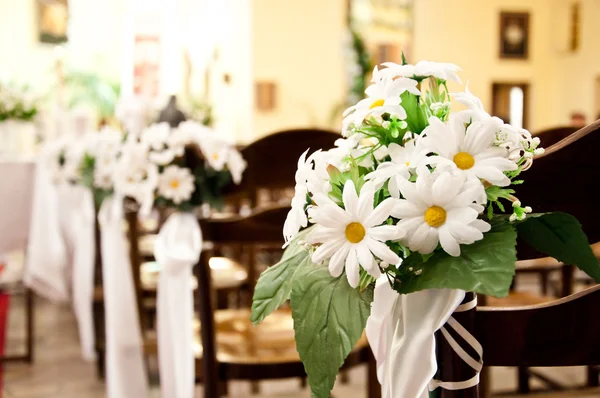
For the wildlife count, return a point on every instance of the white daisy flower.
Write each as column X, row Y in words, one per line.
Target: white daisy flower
column 468, row 146
column 404, row 159
column 156, row 136
column 439, row 209
column 383, row 97
column 441, row 70
column 353, row 235
column 305, row 176
column 176, row 183
column 296, row 217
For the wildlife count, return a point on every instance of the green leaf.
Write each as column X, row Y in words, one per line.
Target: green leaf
column 559, row 235
column 485, row 267
column 275, row 285
column 329, row 318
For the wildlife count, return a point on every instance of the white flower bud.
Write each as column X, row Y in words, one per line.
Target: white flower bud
column 535, row 141
column 539, row 151
column 528, row 155
column 386, row 124
column 513, row 217
column 516, row 203
column 527, row 209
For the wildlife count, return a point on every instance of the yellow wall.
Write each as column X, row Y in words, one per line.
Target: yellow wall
column 298, row 45
column 96, row 37
column 465, row 32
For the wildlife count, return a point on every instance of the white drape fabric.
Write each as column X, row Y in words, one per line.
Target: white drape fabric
column 401, row 331
column 125, row 371
column 47, row 256
column 82, row 283
column 177, row 250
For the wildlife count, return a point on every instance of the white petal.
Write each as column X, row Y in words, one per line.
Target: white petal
column 352, row 270
column 384, row 233
column 365, row 201
column 445, row 188
column 382, row 251
column 462, row 215
column 448, row 242
column 323, row 234
column 481, row 225
column 336, row 263
column 430, row 242
column 350, row 198
column 365, row 258
column 325, row 251
column 380, row 214
column 464, row 234
column 403, row 208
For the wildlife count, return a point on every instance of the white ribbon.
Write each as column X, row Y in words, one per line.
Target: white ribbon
column 125, row 371
column 83, row 273
column 401, row 331
column 177, row 250
column 475, row 364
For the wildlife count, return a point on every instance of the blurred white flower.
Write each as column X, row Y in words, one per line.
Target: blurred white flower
column 176, row 183
column 156, row 136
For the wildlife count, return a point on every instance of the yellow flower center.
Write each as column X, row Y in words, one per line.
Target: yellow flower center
column 464, row 160
column 174, row 184
column 407, row 164
column 355, row 232
column 377, row 103
column 435, row 216
column 215, row 156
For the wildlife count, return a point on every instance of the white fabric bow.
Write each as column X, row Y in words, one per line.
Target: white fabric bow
column 401, row 332
column 125, row 371
column 177, row 250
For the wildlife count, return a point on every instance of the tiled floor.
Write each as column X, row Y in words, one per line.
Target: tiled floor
column 59, row 371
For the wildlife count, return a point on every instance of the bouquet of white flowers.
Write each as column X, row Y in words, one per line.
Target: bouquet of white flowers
column 16, row 104
column 182, row 168
column 408, row 197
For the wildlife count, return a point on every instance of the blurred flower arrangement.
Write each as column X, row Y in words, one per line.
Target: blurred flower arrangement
column 17, row 104
column 181, row 167
column 409, row 197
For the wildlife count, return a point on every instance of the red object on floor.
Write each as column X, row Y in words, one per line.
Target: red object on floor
column 4, row 301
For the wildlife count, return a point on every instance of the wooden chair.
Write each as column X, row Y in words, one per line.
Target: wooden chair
column 561, row 333
column 574, row 170
column 273, row 161
column 232, row 347
column 553, row 135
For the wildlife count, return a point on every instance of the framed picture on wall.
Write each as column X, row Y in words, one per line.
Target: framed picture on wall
column 514, row 35
column 53, row 18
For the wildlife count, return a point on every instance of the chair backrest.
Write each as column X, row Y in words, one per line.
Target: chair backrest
column 564, row 179
column 262, row 227
column 553, row 135
column 273, row 160
column 561, row 333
